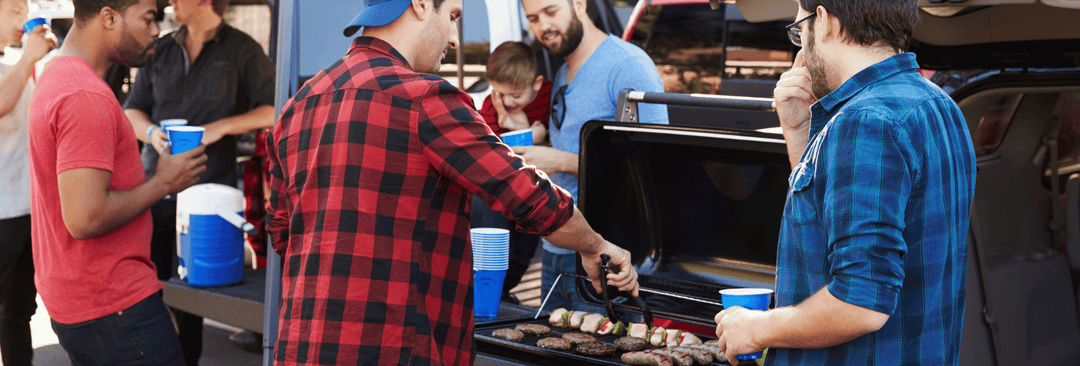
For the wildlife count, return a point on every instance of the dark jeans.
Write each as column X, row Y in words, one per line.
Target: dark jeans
column 139, row 335
column 522, row 245
column 565, row 294
column 163, row 254
column 17, row 292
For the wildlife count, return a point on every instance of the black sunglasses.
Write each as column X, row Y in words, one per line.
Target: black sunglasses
column 558, row 107
column 794, row 33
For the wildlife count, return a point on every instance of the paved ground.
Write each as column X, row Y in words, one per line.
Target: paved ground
column 217, row 349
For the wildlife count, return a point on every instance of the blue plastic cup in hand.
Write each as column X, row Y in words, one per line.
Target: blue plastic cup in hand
column 518, row 138
column 487, row 292
column 184, row 138
column 172, row 122
column 32, row 24
column 750, row 298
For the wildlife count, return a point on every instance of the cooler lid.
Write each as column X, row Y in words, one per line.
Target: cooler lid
column 699, row 209
column 204, row 199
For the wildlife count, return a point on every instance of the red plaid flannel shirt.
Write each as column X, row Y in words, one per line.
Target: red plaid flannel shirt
column 371, row 167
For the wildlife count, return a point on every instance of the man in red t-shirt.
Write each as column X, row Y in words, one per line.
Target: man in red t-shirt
column 91, row 224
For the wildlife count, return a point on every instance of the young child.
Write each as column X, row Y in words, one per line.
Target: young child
column 520, row 97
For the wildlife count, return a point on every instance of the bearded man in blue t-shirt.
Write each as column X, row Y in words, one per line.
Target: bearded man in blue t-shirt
column 598, row 66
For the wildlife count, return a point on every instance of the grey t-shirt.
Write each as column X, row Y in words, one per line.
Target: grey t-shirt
column 593, row 95
column 14, row 158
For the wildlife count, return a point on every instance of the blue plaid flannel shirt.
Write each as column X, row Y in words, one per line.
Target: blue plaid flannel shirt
column 878, row 211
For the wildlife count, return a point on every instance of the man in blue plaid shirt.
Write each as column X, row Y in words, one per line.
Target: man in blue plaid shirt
column 873, row 246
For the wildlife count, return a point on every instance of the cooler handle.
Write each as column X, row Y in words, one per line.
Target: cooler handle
column 236, row 220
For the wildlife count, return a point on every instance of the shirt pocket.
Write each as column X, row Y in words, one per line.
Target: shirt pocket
column 801, row 207
column 214, row 81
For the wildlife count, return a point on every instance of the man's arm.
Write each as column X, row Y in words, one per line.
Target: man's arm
column 820, row 321
column 549, row 159
column 794, row 94
column 255, row 119
column 37, row 46
column 90, row 209
column 577, row 235
column 140, row 121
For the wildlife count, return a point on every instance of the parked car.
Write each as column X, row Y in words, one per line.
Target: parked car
column 701, row 50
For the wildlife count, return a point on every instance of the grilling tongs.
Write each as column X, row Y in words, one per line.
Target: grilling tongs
column 605, row 265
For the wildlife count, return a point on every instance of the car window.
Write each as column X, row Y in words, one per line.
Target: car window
column 992, row 125
column 687, row 43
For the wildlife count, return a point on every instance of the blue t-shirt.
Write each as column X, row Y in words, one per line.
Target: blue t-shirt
column 877, row 211
column 593, row 94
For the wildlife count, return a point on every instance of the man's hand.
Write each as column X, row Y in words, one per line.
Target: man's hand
column 214, row 132
column 38, row 44
column 548, row 159
column 178, row 172
column 625, row 280
column 736, row 328
column 512, row 121
column 794, row 95
column 159, row 140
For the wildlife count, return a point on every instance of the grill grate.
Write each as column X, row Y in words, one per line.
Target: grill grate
column 528, row 344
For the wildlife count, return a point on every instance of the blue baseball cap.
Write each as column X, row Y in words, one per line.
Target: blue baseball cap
column 377, row 13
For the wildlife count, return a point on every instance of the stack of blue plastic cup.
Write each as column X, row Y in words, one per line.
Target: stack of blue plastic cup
column 491, row 258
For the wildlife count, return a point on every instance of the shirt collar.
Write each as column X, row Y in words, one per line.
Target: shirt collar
column 377, row 45
column 877, row 72
column 219, row 34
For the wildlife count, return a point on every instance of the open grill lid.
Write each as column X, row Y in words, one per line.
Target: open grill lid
column 699, row 210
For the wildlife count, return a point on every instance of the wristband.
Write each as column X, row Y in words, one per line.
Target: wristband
column 150, row 132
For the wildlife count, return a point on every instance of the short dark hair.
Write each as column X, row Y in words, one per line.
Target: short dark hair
column 513, row 63
column 219, row 5
column 867, row 22
column 85, row 9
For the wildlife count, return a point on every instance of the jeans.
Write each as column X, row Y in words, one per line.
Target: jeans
column 142, row 334
column 565, row 294
column 17, row 292
column 163, row 254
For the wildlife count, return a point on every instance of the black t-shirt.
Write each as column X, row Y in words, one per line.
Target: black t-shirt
column 231, row 76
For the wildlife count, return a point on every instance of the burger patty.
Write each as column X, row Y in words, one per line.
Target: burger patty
column 630, row 344
column 512, row 335
column 578, row 338
column 557, row 344
column 595, row 349
column 534, row 330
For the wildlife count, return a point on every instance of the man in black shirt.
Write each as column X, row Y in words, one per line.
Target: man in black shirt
column 213, row 76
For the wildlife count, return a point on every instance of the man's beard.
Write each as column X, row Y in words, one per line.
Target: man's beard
column 571, row 40
column 818, row 76
column 131, row 54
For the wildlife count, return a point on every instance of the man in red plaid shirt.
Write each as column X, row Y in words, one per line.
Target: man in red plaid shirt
column 372, row 164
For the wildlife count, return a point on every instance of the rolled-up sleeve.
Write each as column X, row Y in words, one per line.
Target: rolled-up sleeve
column 869, row 185
column 460, row 146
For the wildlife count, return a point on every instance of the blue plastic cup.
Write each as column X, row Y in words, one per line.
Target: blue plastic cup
column 32, row 24
column 184, row 138
column 750, row 298
column 487, row 292
column 518, row 138
column 173, row 122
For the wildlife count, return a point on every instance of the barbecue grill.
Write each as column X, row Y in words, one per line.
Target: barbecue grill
column 699, row 209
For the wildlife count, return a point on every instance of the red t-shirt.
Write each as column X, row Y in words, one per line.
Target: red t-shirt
column 76, row 122
column 538, row 110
